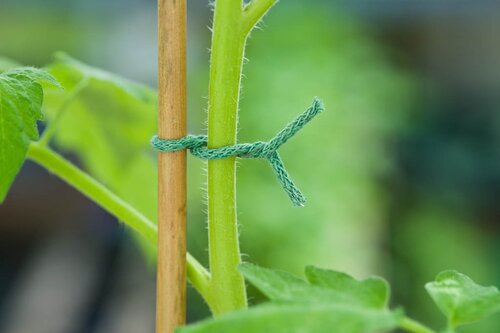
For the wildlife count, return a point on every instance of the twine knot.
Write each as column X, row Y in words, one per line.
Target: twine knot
column 197, row 145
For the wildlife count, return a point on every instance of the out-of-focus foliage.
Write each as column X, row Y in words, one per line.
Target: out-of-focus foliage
column 431, row 239
column 45, row 29
column 107, row 122
column 462, row 300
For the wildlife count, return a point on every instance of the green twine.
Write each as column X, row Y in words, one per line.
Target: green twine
column 197, row 145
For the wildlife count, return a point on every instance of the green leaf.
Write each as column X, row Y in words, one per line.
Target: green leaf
column 300, row 318
column 373, row 291
column 107, row 121
column 325, row 285
column 461, row 299
column 329, row 302
column 276, row 285
column 21, row 99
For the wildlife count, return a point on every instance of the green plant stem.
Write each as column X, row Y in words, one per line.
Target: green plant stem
column 113, row 204
column 254, row 11
column 232, row 24
column 411, row 325
column 228, row 42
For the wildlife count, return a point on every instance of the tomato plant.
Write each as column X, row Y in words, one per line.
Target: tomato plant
column 107, row 122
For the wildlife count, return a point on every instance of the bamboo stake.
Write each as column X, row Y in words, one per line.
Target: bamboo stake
column 171, row 275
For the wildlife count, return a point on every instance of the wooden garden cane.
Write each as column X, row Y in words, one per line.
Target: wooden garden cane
column 171, row 275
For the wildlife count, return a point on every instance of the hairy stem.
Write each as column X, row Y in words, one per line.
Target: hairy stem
column 254, row 11
column 411, row 325
column 232, row 23
column 227, row 284
column 84, row 183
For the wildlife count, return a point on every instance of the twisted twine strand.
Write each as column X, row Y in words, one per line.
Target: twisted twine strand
column 197, row 145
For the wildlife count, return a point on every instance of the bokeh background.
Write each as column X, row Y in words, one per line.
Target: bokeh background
column 402, row 173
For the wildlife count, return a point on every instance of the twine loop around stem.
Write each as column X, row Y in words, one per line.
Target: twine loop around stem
column 197, row 145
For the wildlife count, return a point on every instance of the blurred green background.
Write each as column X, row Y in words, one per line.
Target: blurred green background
column 402, row 173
